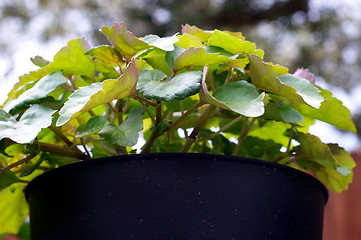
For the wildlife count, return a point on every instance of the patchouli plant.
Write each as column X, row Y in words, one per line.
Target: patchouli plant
column 198, row 91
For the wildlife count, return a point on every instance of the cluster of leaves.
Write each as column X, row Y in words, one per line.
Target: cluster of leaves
column 200, row 91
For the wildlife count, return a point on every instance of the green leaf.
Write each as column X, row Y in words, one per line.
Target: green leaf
column 29, row 170
column 338, row 177
column 232, row 44
column 24, row 80
column 40, row 90
column 282, row 112
column 331, row 111
column 240, row 97
column 94, row 125
column 165, row 43
column 125, row 134
column 172, row 56
column 3, row 146
column 316, row 151
column 6, row 179
column 265, row 77
column 153, row 85
column 72, row 59
column 77, row 102
column 202, row 35
column 156, row 59
column 186, row 41
column 86, row 98
column 30, row 124
column 310, row 94
column 106, row 54
column 198, row 57
column 13, row 209
column 124, row 41
column 271, row 130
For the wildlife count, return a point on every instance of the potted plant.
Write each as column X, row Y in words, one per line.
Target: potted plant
column 185, row 118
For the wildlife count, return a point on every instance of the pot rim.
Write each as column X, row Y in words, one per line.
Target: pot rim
column 163, row 155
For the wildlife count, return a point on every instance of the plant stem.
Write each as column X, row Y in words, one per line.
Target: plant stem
column 228, row 78
column 245, row 129
column 285, row 154
column 202, row 120
column 15, row 164
column 181, row 118
column 46, row 147
column 143, row 100
column 225, row 127
column 120, row 111
column 61, row 135
column 154, row 134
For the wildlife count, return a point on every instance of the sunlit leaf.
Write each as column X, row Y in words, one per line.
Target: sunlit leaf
column 86, row 98
column 13, row 208
column 271, row 130
column 72, row 59
column 331, row 111
column 165, row 43
column 39, row 91
column 309, row 93
column 331, row 176
column 316, row 151
column 25, row 79
column 231, row 44
column 124, row 41
column 106, row 54
column 198, row 57
column 186, row 41
column 30, row 124
column 153, row 85
column 157, row 59
column 125, row 134
column 202, row 35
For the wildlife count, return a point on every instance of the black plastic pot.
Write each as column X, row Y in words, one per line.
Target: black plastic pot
column 176, row 196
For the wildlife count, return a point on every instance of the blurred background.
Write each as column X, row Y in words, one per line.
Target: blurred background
column 322, row 35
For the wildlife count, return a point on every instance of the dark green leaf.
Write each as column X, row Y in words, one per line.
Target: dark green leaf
column 125, row 134
column 94, row 125
column 153, row 86
column 29, row 170
column 3, row 146
column 6, row 179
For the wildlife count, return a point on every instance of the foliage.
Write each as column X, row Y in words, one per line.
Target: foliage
column 200, row 91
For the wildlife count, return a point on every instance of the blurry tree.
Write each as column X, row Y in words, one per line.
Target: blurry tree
column 327, row 40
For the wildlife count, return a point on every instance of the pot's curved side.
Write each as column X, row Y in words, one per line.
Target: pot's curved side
column 176, row 196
